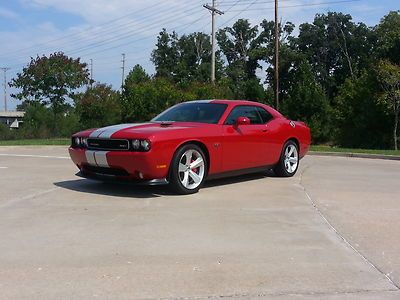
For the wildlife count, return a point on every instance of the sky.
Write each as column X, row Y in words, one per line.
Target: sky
column 101, row 30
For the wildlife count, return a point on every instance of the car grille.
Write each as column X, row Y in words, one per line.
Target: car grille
column 108, row 144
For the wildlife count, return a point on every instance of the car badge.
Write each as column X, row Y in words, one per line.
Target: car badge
column 292, row 124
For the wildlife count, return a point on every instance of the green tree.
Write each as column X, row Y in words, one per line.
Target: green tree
column 360, row 119
column 143, row 101
column 289, row 57
column 186, row 58
column 389, row 78
column 50, row 82
column 388, row 34
column 306, row 101
column 239, row 45
column 98, row 106
column 137, row 75
column 165, row 55
column 336, row 47
column 38, row 121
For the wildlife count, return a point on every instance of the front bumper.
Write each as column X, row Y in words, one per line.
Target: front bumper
column 118, row 179
column 121, row 165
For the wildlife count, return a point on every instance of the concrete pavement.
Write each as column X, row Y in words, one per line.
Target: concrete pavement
column 319, row 235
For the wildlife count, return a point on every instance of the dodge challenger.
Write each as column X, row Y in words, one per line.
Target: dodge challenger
column 191, row 142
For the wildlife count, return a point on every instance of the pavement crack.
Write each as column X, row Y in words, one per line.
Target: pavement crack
column 347, row 242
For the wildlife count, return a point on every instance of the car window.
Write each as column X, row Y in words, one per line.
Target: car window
column 193, row 112
column 247, row 111
column 265, row 116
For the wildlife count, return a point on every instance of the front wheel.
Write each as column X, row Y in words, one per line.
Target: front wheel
column 188, row 169
column 288, row 161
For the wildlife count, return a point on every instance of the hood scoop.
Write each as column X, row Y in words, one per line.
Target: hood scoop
column 166, row 123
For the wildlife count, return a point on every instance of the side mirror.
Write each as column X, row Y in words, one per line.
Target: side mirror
column 242, row 121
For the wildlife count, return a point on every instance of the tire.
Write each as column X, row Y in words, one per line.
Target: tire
column 288, row 161
column 188, row 170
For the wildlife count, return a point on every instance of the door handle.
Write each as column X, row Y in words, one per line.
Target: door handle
column 264, row 130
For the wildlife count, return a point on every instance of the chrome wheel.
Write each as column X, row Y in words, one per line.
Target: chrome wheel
column 191, row 169
column 291, row 159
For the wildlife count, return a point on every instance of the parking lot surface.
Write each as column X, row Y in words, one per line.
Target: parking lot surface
column 330, row 232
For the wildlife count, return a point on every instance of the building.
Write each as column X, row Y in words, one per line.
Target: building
column 11, row 119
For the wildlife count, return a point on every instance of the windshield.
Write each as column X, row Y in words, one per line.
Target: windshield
column 193, row 112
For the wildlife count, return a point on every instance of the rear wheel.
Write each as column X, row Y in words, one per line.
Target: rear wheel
column 288, row 161
column 188, row 169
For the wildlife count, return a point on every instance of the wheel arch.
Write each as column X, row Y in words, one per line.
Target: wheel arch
column 198, row 143
column 295, row 140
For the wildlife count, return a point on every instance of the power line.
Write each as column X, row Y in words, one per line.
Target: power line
column 242, row 10
column 115, row 38
column 111, row 31
column 303, row 5
column 82, row 31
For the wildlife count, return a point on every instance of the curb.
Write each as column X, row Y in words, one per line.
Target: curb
column 355, row 155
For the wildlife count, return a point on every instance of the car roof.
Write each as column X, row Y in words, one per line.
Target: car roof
column 240, row 102
column 225, row 101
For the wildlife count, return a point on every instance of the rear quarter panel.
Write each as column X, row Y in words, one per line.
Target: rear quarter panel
column 299, row 132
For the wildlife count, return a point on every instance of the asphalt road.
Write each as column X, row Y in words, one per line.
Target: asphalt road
column 331, row 232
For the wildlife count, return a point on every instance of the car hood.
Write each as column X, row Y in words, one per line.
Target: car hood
column 143, row 129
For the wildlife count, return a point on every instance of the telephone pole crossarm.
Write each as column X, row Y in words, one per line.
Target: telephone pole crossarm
column 213, row 9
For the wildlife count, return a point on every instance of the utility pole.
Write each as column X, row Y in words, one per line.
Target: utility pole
column 5, row 69
column 276, row 56
column 213, row 11
column 91, row 72
column 123, row 70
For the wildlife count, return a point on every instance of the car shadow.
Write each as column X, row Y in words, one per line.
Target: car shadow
column 238, row 179
column 113, row 189
column 135, row 191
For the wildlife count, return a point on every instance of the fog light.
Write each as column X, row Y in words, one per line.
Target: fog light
column 141, row 175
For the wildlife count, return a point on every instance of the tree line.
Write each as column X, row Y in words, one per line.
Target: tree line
column 341, row 77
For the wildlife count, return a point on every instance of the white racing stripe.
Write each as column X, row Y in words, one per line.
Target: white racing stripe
column 90, row 157
column 107, row 132
column 101, row 158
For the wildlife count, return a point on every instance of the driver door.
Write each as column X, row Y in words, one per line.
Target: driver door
column 244, row 146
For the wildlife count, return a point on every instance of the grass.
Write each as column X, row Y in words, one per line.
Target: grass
column 37, row 142
column 321, row 148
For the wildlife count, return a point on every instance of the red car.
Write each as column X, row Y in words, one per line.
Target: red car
column 192, row 141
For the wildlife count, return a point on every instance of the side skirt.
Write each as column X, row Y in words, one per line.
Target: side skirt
column 239, row 172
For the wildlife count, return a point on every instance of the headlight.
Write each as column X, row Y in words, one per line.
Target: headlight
column 141, row 145
column 136, row 145
column 79, row 142
column 84, row 142
column 145, row 145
